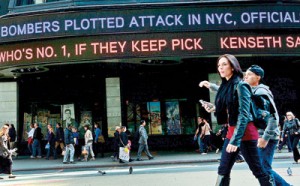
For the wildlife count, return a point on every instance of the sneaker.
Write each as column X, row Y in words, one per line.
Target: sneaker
column 32, row 157
column 39, row 157
column 93, row 159
column 203, row 153
column 11, row 176
column 217, row 151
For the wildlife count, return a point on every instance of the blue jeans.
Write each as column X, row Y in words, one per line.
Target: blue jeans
column 267, row 155
column 250, row 153
column 36, row 146
column 69, row 150
column 200, row 143
column 49, row 150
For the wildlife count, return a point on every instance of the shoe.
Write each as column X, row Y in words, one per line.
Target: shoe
column 93, row 159
column 151, row 158
column 203, row 153
column 11, row 176
column 217, row 151
column 239, row 161
column 32, row 157
column 121, row 161
column 279, row 151
column 65, row 162
column 298, row 161
column 39, row 157
column 139, row 160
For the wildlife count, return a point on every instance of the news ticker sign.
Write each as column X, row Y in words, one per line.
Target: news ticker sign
column 149, row 20
column 181, row 44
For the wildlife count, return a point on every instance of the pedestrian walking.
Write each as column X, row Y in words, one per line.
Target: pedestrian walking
column 59, row 139
column 99, row 145
column 268, row 137
column 143, row 142
column 88, row 138
column 198, row 133
column 30, row 138
column 6, row 161
column 292, row 128
column 232, row 106
column 50, row 142
column 116, row 143
column 37, row 139
column 76, row 143
column 12, row 136
column 69, row 141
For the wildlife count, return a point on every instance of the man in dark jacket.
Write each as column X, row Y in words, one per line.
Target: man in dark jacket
column 37, row 138
column 69, row 141
column 59, row 139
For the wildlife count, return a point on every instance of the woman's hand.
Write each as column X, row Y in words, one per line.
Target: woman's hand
column 231, row 148
column 205, row 84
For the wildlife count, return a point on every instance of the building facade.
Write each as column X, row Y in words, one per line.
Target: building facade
column 119, row 62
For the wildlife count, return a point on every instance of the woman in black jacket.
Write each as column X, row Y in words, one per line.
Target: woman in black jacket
column 232, row 106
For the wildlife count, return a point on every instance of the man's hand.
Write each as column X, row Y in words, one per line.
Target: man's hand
column 231, row 148
column 262, row 143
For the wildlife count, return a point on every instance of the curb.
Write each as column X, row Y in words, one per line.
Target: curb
column 147, row 163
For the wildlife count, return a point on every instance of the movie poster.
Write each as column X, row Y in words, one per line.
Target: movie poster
column 155, row 117
column 173, row 118
column 68, row 114
column 85, row 119
column 26, row 125
column 42, row 120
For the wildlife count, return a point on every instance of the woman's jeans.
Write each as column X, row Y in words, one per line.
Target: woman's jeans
column 51, row 149
column 249, row 151
column 267, row 155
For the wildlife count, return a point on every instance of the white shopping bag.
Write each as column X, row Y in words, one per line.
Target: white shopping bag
column 124, row 153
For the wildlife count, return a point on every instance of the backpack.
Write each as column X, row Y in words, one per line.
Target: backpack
column 262, row 108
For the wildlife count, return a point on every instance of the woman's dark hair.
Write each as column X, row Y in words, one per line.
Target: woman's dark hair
column 142, row 121
column 87, row 126
column 234, row 64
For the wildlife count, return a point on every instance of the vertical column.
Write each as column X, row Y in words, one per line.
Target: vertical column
column 8, row 103
column 113, row 104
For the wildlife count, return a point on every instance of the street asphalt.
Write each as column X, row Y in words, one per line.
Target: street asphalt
column 25, row 163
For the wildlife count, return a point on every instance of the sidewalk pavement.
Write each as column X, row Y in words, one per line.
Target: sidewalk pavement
column 24, row 163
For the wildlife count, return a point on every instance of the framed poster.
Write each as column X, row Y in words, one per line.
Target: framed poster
column 173, row 115
column 68, row 114
column 155, row 117
column 26, row 125
column 85, row 119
